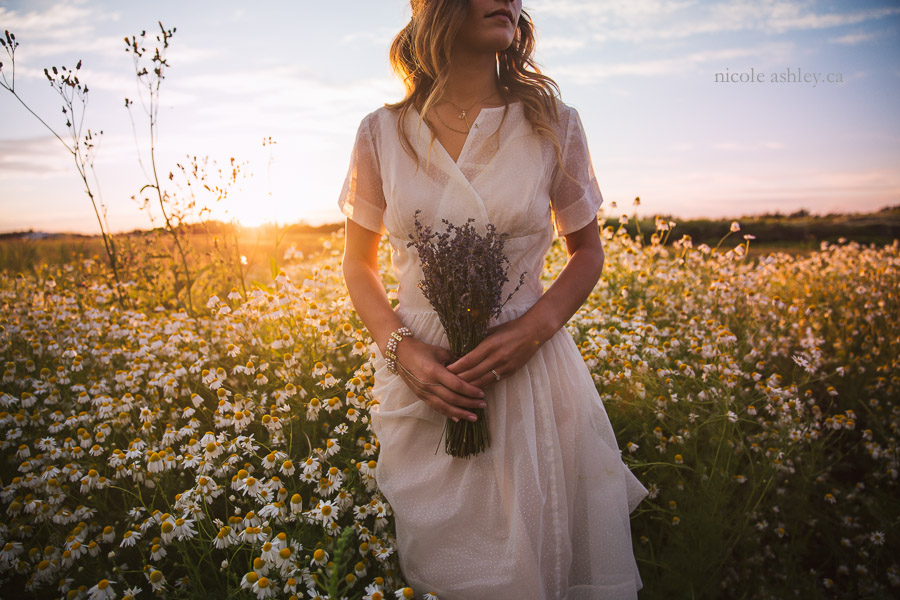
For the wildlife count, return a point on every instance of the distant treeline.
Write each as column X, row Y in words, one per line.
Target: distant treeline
column 800, row 227
column 211, row 227
column 797, row 228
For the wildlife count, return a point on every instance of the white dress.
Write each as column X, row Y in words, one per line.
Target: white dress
column 544, row 512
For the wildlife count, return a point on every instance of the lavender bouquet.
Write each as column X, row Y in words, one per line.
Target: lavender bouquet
column 463, row 280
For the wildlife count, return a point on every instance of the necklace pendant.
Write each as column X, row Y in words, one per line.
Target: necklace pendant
column 461, row 115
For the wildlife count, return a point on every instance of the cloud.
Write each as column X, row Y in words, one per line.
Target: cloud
column 587, row 73
column 57, row 22
column 738, row 147
column 559, row 45
column 57, row 28
column 381, row 37
column 851, row 39
column 34, row 157
column 285, row 97
column 638, row 21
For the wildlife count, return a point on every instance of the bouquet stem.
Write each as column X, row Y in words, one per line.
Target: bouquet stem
column 464, row 438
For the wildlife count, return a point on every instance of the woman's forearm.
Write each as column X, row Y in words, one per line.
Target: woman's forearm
column 567, row 293
column 370, row 301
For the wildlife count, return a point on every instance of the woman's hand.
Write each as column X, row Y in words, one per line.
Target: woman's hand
column 421, row 366
column 505, row 350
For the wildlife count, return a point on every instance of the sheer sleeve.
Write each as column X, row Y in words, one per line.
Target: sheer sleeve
column 362, row 197
column 575, row 200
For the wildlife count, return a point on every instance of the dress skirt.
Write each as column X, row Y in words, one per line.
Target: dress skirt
column 543, row 514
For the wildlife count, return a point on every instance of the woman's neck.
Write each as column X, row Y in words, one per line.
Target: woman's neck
column 473, row 77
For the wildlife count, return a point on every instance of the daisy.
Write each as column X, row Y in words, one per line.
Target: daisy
column 77, row 549
column 327, row 382
column 344, row 499
column 355, row 384
column 359, row 569
column 184, row 528
column 260, row 566
column 167, row 530
column 367, row 468
column 206, row 484
column 320, row 557
column 250, row 486
column 268, row 462
column 271, row 510
column 157, row 580
column 249, row 580
column 212, row 450
column 157, row 552
column 325, row 511
column 108, row 535
column 224, row 537
column 263, row 588
column 130, row 538
column 312, row 410
column 283, row 558
column 327, row 486
column 102, row 591
column 314, row 595
column 154, row 463
column 373, row 592
column 250, row 534
column 332, row 446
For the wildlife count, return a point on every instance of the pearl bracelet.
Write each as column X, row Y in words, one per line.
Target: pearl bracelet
column 390, row 352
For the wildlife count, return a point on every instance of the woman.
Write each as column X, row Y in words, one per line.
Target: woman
column 543, row 513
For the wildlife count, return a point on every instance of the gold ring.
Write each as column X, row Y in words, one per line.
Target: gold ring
column 496, row 375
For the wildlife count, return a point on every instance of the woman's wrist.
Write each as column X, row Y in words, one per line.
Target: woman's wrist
column 541, row 325
column 390, row 350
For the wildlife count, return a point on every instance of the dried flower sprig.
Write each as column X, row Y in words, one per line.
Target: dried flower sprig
column 464, row 274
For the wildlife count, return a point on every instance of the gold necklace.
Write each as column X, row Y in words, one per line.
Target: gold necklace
column 450, row 128
column 463, row 112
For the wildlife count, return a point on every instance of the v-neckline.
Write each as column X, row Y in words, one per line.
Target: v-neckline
column 469, row 135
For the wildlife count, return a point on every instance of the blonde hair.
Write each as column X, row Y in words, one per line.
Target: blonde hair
column 420, row 54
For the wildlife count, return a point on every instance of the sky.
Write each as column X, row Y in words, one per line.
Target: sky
column 776, row 136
